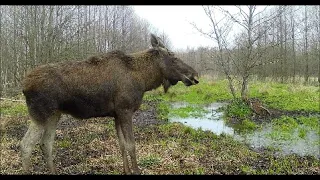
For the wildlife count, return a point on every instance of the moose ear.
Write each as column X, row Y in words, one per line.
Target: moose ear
column 154, row 40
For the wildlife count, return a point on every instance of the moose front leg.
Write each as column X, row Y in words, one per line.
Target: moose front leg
column 125, row 121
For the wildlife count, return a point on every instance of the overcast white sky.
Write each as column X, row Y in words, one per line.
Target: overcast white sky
column 174, row 21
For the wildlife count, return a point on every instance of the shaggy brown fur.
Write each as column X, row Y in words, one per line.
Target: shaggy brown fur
column 110, row 84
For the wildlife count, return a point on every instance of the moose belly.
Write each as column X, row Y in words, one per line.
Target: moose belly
column 84, row 107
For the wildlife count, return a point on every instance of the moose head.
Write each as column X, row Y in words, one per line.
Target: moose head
column 172, row 67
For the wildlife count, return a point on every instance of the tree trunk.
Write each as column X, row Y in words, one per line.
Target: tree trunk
column 244, row 87
column 230, row 83
column 1, row 61
column 285, row 68
column 318, row 31
column 281, row 49
column 293, row 47
column 306, row 76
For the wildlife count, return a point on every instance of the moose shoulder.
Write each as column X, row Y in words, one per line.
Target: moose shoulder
column 110, row 84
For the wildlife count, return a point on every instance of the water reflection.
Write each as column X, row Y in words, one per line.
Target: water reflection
column 213, row 121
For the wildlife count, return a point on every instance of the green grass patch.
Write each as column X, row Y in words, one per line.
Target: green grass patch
column 144, row 107
column 162, row 111
column 312, row 122
column 287, row 96
column 289, row 128
column 273, row 95
column 248, row 170
column 65, row 143
column 246, row 125
column 154, row 95
column 238, row 109
column 283, row 165
column 13, row 109
column 199, row 171
column 302, row 133
column 189, row 111
column 203, row 93
column 162, row 107
column 283, row 128
column 149, row 161
column 197, row 134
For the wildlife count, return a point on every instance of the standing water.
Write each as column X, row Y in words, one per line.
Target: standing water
column 213, row 121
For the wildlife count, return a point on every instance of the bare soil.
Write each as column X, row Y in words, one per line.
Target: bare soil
column 91, row 147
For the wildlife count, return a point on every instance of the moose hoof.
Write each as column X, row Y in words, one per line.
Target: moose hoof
column 137, row 171
column 27, row 171
column 53, row 170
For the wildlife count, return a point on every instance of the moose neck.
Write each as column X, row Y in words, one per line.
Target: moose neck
column 147, row 70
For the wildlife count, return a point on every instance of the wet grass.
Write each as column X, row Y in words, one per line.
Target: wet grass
column 275, row 95
column 289, row 128
column 162, row 110
column 287, row 96
column 91, row 147
column 204, row 93
column 189, row 111
column 282, row 97
column 245, row 126
column 238, row 109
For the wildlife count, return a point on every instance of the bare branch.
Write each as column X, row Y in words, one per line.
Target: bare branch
column 260, row 11
column 244, row 14
column 233, row 18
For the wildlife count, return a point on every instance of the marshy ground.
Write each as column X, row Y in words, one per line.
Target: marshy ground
column 91, row 146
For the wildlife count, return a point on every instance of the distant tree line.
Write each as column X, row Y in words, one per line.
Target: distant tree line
column 279, row 43
column 34, row 35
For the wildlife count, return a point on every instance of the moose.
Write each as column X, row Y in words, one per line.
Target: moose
column 110, row 84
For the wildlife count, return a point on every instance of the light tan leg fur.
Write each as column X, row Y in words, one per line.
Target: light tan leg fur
column 30, row 139
column 45, row 132
column 47, row 141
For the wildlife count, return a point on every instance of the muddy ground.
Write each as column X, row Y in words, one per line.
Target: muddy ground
column 91, row 147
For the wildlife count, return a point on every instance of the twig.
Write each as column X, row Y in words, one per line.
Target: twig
column 13, row 100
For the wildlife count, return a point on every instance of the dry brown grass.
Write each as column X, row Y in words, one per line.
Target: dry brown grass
column 91, row 147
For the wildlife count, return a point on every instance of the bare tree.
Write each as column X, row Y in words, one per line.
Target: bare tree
column 250, row 52
column 33, row 35
column 219, row 34
column 306, row 76
column 318, row 49
column 293, row 43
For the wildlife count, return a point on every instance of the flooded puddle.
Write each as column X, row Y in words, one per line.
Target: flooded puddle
column 301, row 146
column 213, row 121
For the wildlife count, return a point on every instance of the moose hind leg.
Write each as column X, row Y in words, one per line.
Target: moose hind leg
column 28, row 142
column 122, row 147
column 126, row 127
column 48, row 140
